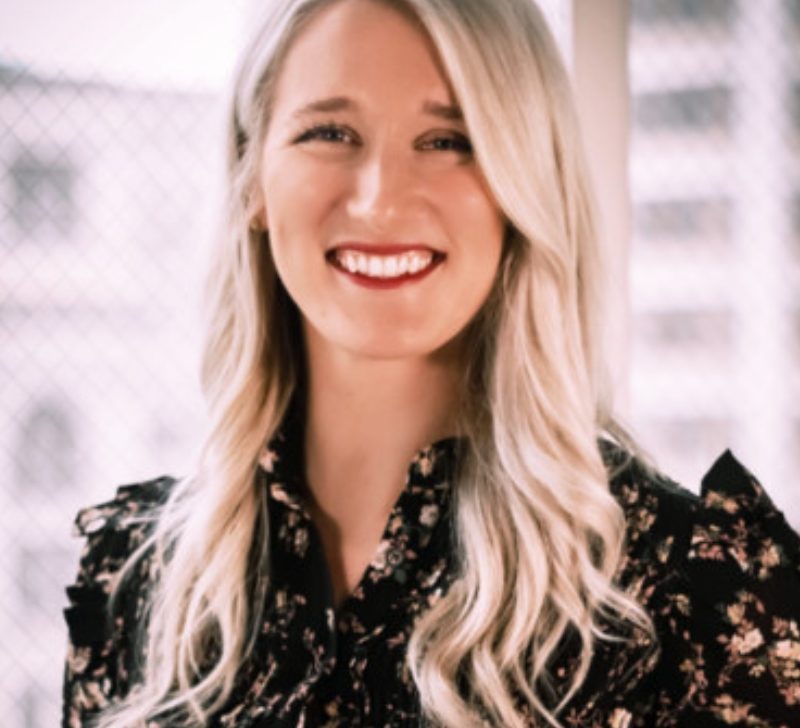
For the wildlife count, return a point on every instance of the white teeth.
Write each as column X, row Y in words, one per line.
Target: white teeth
column 350, row 262
column 383, row 266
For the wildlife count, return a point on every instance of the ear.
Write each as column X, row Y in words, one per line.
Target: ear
column 258, row 207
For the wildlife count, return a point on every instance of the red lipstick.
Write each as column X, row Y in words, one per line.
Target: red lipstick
column 385, row 248
column 341, row 259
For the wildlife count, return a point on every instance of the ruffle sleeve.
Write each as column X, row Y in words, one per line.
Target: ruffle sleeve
column 99, row 650
column 741, row 654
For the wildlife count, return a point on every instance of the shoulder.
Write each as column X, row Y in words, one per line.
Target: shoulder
column 115, row 528
column 731, row 522
column 131, row 503
column 737, row 523
column 743, row 584
column 719, row 572
column 100, row 644
column 658, row 512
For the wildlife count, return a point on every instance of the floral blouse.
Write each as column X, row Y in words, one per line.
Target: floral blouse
column 719, row 573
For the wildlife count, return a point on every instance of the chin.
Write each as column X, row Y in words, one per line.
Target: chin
column 385, row 344
column 384, row 347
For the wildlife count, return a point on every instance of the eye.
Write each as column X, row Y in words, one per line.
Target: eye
column 331, row 133
column 451, row 143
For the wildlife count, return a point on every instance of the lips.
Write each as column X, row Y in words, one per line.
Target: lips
column 384, row 248
column 384, row 265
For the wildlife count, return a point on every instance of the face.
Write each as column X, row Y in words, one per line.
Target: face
column 381, row 226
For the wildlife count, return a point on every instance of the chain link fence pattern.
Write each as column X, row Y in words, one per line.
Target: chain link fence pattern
column 108, row 193
column 716, row 241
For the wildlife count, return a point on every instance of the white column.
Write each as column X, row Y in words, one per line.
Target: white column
column 600, row 60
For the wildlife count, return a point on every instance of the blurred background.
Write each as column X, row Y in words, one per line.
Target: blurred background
column 111, row 119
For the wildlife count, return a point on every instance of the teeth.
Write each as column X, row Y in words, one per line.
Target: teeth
column 350, row 262
column 383, row 266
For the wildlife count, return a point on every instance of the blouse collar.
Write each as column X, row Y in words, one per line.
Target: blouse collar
column 281, row 463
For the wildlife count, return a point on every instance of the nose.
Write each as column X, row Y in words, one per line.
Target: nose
column 382, row 189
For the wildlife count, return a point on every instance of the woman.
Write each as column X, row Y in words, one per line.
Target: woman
column 414, row 505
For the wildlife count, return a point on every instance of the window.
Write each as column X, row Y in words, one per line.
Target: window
column 793, row 11
column 46, row 457
column 795, row 448
column 692, row 11
column 30, row 706
column 688, row 109
column 686, row 332
column 41, row 576
column 695, row 434
column 696, row 220
column 795, row 327
column 43, row 204
column 795, row 223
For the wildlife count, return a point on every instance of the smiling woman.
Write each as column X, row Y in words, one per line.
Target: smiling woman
column 415, row 505
column 373, row 225
column 365, row 159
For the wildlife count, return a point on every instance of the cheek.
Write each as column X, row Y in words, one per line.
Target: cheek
column 479, row 203
column 476, row 228
column 295, row 209
column 287, row 193
column 476, row 223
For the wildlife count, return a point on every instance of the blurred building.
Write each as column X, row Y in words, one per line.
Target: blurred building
column 104, row 193
column 107, row 200
column 716, row 242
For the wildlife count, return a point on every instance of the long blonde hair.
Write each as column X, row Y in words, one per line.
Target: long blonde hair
column 539, row 536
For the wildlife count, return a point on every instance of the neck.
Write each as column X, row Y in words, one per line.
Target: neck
column 365, row 420
column 367, row 417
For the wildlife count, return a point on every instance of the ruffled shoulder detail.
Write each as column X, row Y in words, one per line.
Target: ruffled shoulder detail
column 727, row 475
column 737, row 521
column 719, row 574
column 742, row 657
column 113, row 530
column 99, row 648
column 129, row 502
column 657, row 515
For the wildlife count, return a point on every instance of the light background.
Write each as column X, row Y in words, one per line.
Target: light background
column 110, row 162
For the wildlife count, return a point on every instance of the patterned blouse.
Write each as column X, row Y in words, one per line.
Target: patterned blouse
column 718, row 573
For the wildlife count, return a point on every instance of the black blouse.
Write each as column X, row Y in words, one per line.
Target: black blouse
column 718, row 573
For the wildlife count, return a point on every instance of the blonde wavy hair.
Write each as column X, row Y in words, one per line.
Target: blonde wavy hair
column 539, row 536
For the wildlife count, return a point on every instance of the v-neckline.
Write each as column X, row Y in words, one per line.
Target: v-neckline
column 422, row 502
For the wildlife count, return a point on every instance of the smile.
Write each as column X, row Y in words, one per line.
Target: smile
column 384, row 270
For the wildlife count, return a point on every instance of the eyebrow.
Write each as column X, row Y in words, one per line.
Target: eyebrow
column 343, row 103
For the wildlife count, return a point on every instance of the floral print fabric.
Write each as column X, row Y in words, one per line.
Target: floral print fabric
column 719, row 574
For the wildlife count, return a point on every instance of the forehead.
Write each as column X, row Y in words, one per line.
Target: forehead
column 366, row 50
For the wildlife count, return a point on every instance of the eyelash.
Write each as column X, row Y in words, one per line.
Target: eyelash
column 461, row 144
